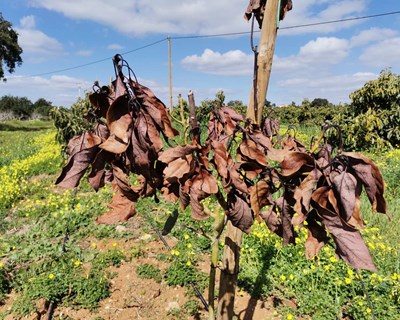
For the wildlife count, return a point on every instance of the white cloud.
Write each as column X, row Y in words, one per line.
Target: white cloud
column 84, row 53
column 138, row 17
column 135, row 17
column 28, row 22
column 115, row 46
column 328, row 50
column 383, row 54
column 230, row 63
column 318, row 54
column 34, row 43
column 316, row 11
column 372, row 35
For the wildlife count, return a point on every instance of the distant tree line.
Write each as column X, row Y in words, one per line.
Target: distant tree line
column 370, row 121
column 314, row 112
column 12, row 107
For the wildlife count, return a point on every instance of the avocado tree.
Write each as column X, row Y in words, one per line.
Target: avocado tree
column 373, row 118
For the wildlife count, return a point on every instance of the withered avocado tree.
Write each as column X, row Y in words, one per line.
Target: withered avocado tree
column 240, row 163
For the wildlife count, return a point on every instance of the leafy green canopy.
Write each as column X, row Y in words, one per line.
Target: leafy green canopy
column 10, row 51
column 373, row 119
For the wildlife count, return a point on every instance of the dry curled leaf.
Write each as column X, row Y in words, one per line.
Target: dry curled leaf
column 239, row 212
column 350, row 245
column 82, row 151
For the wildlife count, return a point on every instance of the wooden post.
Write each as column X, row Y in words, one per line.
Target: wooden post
column 171, row 104
column 265, row 55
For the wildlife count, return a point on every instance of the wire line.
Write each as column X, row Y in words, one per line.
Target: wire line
column 289, row 27
column 213, row 36
column 341, row 20
column 98, row 61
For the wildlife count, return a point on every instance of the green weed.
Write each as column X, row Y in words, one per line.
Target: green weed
column 148, row 271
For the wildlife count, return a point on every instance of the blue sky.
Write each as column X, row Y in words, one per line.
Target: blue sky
column 325, row 61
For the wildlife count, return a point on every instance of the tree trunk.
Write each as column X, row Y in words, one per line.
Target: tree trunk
column 229, row 273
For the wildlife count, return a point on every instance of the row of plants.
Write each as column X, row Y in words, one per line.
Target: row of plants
column 370, row 121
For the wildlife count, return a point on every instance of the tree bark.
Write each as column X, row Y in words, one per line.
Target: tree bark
column 229, row 273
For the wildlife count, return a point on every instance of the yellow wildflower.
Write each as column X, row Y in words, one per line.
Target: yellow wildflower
column 333, row 259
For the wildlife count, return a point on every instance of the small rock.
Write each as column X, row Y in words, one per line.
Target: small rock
column 146, row 236
column 174, row 305
column 120, row 229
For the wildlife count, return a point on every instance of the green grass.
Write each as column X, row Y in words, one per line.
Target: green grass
column 35, row 220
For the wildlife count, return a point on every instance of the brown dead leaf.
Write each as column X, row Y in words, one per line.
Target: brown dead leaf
column 119, row 119
column 317, row 236
column 123, row 185
column 121, row 209
column 366, row 171
column 302, row 195
column 296, row 163
column 97, row 174
column 100, row 102
column 271, row 127
column 220, row 158
column 249, row 151
column 172, row 154
column 272, row 220
column 155, row 108
column 344, row 188
column 179, row 168
column 350, row 245
column 82, row 150
column 260, row 196
column 239, row 212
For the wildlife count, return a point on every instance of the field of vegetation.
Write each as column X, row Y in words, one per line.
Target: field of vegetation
column 53, row 253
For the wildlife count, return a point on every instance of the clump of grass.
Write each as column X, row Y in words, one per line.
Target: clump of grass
column 149, row 271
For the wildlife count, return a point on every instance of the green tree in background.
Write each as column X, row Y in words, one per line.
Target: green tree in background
column 373, row 119
column 10, row 51
column 21, row 107
column 42, row 107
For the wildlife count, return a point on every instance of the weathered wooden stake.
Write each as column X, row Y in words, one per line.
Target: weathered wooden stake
column 265, row 55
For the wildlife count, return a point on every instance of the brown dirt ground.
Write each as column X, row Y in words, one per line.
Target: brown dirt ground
column 135, row 298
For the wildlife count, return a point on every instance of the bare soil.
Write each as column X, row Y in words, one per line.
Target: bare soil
column 136, row 298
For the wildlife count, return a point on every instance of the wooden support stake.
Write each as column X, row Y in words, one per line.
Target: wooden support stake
column 265, row 55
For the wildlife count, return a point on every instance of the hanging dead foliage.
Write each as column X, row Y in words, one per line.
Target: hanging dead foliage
column 242, row 165
column 257, row 8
